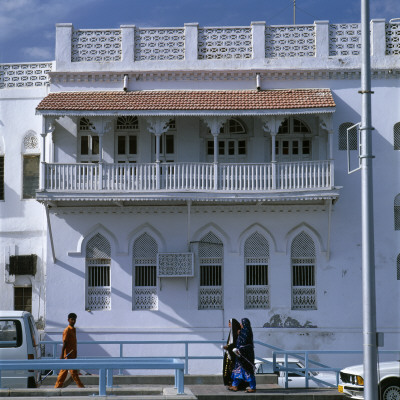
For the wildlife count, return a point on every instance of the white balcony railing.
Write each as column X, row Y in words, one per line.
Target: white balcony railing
column 204, row 177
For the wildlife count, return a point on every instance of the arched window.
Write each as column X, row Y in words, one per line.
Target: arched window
column 88, row 142
column 293, row 141
column 397, row 213
column 303, row 273
column 398, row 267
column 211, row 252
column 145, row 288
column 256, row 259
column 31, row 163
column 126, row 138
column 396, row 136
column 353, row 145
column 98, row 273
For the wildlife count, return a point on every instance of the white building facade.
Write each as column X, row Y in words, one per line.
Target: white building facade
column 159, row 182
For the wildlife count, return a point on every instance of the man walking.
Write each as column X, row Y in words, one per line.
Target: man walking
column 69, row 350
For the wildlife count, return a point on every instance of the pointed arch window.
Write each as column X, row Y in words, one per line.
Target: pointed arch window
column 145, row 287
column 211, row 252
column 396, row 136
column 98, row 273
column 256, row 259
column 303, row 273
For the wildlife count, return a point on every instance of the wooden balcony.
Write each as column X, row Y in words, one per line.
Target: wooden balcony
column 191, row 181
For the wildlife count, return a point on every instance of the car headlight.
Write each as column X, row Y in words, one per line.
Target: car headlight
column 360, row 380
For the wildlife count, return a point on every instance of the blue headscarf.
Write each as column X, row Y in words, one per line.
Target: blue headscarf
column 245, row 346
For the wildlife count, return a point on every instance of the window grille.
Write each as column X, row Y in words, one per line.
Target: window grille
column 23, row 299
column 396, row 136
column 84, row 124
column 127, row 123
column 1, row 177
column 30, row 181
column 145, row 290
column 353, row 141
column 398, row 267
column 303, row 273
column 397, row 213
column 210, row 261
column 98, row 273
column 256, row 253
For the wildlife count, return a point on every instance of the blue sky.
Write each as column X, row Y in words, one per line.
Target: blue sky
column 27, row 27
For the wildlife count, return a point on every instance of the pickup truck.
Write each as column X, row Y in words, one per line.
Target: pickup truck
column 352, row 381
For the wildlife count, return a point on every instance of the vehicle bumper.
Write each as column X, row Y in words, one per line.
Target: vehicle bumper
column 353, row 391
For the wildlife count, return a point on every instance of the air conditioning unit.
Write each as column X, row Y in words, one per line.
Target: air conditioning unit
column 23, row 265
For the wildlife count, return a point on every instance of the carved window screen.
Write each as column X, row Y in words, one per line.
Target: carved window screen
column 98, row 273
column 145, row 290
column 303, row 273
column 353, row 141
column 256, row 256
column 396, row 136
column 175, row 265
column 210, row 270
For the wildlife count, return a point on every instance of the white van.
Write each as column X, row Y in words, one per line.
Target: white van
column 19, row 340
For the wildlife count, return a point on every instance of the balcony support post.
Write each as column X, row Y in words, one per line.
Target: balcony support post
column 326, row 124
column 158, row 126
column 215, row 124
column 48, row 127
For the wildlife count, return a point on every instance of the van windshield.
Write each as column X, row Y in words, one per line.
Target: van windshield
column 10, row 333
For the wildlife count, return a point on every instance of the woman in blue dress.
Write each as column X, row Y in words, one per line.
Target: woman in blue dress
column 244, row 364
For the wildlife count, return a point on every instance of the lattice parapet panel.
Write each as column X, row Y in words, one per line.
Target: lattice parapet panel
column 145, row 298
column 99, row 298
column 211, row 298
column 344, row 39
column 225, row 43
column 304, row 298
column 290, row 41
column 96, row 45
column 158, row 44
column 24, row 75
column 257, row 297
column 175, row 265
column 392, row 39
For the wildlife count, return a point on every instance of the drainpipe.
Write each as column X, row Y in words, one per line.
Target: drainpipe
column 126, row 78
column 258, row 81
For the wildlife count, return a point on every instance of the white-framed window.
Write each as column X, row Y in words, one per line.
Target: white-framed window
column 126, row 139
column 342, row 136
column 145, row 285
column 396, row 136
column 23, row 298
column 88, row 143
column 256, row 260
column 293, row 141
column 232, row 142
column 397, row 213
column 210, row 252
column 303, row 273
column 30, row 175
column 98, row 273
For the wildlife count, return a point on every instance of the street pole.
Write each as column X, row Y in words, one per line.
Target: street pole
column 368, row 257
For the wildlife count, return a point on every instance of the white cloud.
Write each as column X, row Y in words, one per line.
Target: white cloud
column 38, row 53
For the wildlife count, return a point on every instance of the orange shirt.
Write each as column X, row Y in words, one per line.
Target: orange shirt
column 69, row 339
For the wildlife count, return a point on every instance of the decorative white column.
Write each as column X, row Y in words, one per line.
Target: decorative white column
column 63, row 45
column 128, row 45
column 158, row 126
column 191, row 41
column 326, row 123
column 321, row 38
column 215, row 124
column 100, row 126
column 271, row 125
column 378, row 37
column 258, row 32
column 49, row 126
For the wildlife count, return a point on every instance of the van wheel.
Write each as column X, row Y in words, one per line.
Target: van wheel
column 31, row 382
column 390, row 390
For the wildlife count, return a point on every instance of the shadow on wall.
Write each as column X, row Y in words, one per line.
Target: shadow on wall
column 281, row 321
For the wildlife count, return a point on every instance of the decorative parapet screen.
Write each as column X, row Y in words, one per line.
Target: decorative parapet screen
column 175, row 265
column 159, row 44
column 392, row 39
column 290, row 41
column 145, row 298
column 96, row 45
column 225, row 43
column 344, row 39
column 24, row 75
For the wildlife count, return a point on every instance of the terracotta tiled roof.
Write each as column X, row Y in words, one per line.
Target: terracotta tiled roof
column 189, row 100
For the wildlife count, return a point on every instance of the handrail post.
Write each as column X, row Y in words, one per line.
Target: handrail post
column 110, row 378
column 102, row 382
column 186, row 358
column 121, row 354
column 306, row 371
